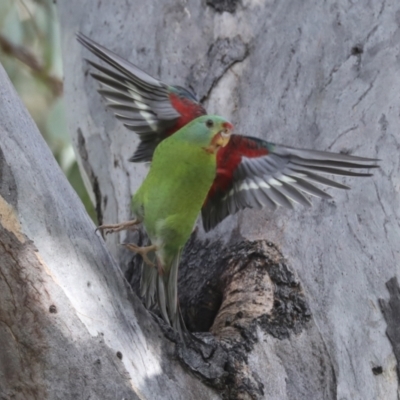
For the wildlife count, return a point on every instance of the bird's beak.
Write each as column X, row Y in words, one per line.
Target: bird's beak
column 221, row 139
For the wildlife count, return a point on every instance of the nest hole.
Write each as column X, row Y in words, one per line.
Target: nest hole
column 226, row 289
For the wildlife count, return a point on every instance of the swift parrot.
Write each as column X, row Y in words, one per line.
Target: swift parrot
column 168, row 203
column 251, row 172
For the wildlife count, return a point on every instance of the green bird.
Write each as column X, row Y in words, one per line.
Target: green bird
column 168, row 203
column 250, row 172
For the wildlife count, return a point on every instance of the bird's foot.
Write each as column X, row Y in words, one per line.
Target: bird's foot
column 113, row 228
column 142, row 251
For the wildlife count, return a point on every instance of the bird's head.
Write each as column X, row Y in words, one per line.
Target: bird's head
column 219, row 133
column 208, row 132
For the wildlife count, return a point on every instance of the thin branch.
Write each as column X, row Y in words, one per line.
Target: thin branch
column 28, row 58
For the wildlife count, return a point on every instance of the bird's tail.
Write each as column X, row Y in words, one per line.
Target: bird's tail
column 148, row 279
column 165, row 288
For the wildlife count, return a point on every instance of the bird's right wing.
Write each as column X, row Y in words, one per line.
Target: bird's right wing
column 253, row 173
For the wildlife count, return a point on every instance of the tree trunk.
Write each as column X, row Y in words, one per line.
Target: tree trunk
column 70, row 326
column 287, row 302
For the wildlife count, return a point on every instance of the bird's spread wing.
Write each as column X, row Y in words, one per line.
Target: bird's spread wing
column 252, row 173
column 145, row 105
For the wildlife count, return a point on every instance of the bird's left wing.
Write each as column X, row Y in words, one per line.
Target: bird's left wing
column 149, row 107
column 253, row 173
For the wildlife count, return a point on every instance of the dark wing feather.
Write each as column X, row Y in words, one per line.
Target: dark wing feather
column 145, row 105
column 271, row 175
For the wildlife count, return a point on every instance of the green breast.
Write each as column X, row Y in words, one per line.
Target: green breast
column 174, row 191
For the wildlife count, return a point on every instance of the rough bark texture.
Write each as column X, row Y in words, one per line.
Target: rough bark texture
column 70, row 326
column 312, row 74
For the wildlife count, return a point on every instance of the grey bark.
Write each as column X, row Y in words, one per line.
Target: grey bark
column 70, row 325
column 321, row 75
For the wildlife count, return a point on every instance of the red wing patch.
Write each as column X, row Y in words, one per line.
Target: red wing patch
column 229, row 158
column 187, row 108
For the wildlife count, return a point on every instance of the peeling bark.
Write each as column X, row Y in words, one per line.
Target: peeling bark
column 243, row 292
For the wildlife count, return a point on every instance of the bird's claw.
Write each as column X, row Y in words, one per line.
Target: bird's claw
column 113, row 228
column 105, row 229
column 142, row 251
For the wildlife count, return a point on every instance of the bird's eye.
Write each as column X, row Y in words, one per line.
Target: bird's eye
column 209, row 123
